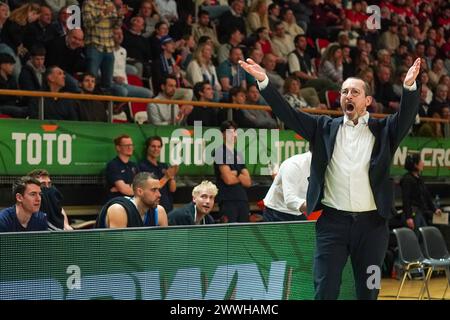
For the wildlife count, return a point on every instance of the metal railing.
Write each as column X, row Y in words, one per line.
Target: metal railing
column 111, row 99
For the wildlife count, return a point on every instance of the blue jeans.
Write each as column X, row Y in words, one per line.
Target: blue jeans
column 14, row 111
column 100, row 61
column 127, row 90
column 215, row 11
column 72, row 84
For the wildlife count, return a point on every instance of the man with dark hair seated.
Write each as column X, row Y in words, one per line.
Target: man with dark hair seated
column 203, row 91
column 90, row 110
column 32, row 74
column 141, row 210
column 25, row 214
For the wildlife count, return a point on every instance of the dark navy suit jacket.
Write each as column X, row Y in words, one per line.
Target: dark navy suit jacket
column 321, row 133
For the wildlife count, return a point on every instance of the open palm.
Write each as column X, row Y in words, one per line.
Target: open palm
column 412, row 73
column 253, row 68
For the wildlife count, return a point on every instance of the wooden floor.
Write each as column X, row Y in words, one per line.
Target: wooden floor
column 411, row 289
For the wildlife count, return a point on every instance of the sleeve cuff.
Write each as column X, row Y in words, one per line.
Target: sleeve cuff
column 263, row 84
column 413, row 87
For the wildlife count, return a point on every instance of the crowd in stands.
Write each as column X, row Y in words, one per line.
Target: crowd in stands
column 185, row 50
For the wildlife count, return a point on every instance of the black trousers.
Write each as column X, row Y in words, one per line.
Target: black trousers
column 235, row 211
column 271, row 215
column 339, row 234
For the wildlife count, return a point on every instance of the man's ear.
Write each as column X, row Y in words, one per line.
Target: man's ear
column 139, row 192
column 369, row 100
column 19, row 198
column 193, row 199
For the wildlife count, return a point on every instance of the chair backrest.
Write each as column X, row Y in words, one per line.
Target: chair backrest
column 434, row 243
column 408, row 246
column 331, row 96
column 322, row 44
column 136, row 107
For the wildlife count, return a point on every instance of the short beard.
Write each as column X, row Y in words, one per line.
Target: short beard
column 151, row 205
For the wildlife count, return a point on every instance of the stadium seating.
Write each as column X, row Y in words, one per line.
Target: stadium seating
column 138, row 109
column 331, row 96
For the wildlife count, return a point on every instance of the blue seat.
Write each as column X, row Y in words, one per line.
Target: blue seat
column 411, row 258
column 435, row 249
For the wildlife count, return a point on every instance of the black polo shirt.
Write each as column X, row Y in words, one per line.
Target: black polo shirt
column 234, row 160
column 117, row 170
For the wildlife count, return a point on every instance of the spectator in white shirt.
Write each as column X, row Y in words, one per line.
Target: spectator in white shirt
column 120, row 84
column 286, row 198
column 164, row 114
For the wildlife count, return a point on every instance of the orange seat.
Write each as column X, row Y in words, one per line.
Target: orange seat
column 322, row 44
column 314, row 215
column 137, row 107
column 332, row 96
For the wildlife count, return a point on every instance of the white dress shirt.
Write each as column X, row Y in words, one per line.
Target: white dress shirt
column 288, row 191
column 347, row 184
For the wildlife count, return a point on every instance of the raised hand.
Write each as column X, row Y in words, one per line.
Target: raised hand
column 412, row 73
column 253, row 68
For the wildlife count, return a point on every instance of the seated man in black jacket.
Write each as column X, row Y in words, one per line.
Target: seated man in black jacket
column 197, row 211
column 8, row 104
column 91, row 110
column 32, row 74
column 55, row 109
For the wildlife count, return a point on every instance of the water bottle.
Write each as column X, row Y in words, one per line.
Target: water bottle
column 437, row 202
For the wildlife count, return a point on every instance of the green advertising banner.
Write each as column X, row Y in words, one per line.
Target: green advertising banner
column 223, row 262
column 81, row 148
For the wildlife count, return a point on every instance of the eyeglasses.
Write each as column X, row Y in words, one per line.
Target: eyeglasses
column 354, row 92
column 127, row 145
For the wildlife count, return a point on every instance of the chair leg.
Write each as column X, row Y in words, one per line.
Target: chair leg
column 426, row 281
column 402, row 283
column 447, row 274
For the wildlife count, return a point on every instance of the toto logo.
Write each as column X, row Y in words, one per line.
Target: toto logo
column 30, row 147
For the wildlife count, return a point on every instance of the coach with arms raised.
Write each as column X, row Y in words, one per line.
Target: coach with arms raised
column 350, row 177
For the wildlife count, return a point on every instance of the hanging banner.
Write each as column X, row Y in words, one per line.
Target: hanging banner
column 83, row 148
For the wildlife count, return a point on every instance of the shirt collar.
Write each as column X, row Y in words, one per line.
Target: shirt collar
column 364, row 120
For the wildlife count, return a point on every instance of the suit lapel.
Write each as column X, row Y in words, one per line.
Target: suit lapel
column 373, row 127
column 335, row 123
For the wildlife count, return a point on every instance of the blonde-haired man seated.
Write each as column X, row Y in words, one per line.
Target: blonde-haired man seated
column 196, row 212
